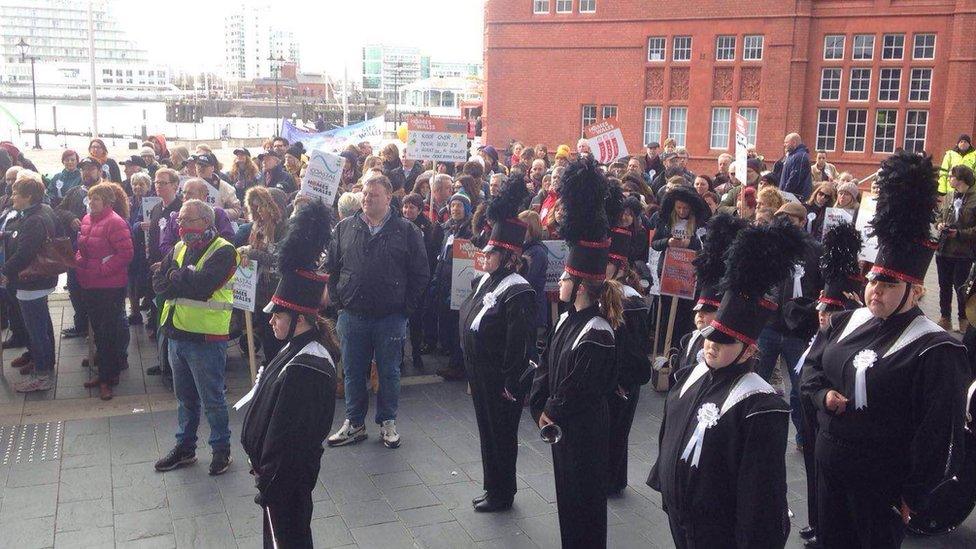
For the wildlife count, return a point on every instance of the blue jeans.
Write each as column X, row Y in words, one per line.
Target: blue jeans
column 198, row 374
column 362, row 340
column 772, row 344
column 40, row 334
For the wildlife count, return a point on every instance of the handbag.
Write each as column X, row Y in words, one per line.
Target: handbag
column 56, row 256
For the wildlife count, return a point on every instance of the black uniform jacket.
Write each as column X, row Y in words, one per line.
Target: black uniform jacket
column 633, row 345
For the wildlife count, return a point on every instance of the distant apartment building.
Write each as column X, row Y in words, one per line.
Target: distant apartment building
column 253, row 48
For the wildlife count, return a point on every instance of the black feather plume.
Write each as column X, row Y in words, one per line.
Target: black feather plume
column 841, row 244
column 720, row 233
column 615, row 204
column 762, row 256
column 509, row 201
column 907, row 198
column 306, row 236
column 583, row 191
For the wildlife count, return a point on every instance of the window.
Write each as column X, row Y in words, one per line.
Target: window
column 860, row 85
column 826, row 129
column 564, row 6
column 857, row 123
column 540, row 6
column 830, row 84
column 751, row 114
column 920, row 86
column 678, row 124
column 863, row 47
column 915, row 125
column 725, row 48
column 655, row 48
column 753, row 47
column 588, row 117
column 587, row 6
column 834, row 46
column 889, row 87
column 924, row 47
column 681, row 50
column 886, row 120
column 893, row 46
column 652, row 124
column 721, row 119
column 608, row 111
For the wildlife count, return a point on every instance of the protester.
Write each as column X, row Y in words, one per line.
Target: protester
column 797, row 177
column 956, row 223
column 273, row 174
column 266, row 229
column 110, row 168
column 161, row 218
column 294, row 165
column 148, row 155
column 457, row 227
column 195, row 189
column 962, row 154
column 135, row 164
column 747, row 204
column 771, row 198
column 279, row 145
column 349, row 204
column 652, row 160
column 822, row 170
column 753, row 172
column 822, row 198
column 11, row 308
column 847, row 195
column 226, row 195
column 703, row 184
column 138, row 275
column 66, row 179
column 535, row 263
column 413, row 211
column 244, row 173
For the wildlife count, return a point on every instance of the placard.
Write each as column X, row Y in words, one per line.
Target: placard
column 606, row 141
column 148, row 203
column 741, row 147
column 678, row 275
column 246, row 286
column 322, row 176
column 653, row 259
column 437, row 139
column 865, row 215
column 834, row 217
column 557, row 251
column 468, row 261
column 789, row 197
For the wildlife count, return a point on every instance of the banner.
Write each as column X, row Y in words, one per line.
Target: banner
column 322, row 176
column 557, row 251
column 335, row 140
column 678, row 276
column 834, row 217
column 606, row 141
column 741, row 147
column 467, row 263
column 865, row 215
column 437, row 139
column 246, row 286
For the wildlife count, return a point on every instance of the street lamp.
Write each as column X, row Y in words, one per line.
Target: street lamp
column 276, row 69
column 24, row 47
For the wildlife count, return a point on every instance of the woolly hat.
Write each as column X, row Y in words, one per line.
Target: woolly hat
column 301, row 285
column 850, row 188
column 296, row 150
column 463, row 198
column 562, row 151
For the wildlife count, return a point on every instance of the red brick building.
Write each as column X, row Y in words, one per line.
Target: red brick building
column 856, row 78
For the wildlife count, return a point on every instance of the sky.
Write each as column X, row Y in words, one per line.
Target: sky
column 189, row 34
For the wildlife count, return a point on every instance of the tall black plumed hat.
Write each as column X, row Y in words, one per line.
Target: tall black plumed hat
column 507, row 230
column 907, row 197
column 839, row 267
column 299, row 251
column 720, row 232
column 620, row 237
column 759, row 258
column 585, row 226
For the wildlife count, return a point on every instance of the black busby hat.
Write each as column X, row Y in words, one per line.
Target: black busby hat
column 584, row 190
column 301, row 285
column 907, row 199
column 839, row 268
column 720, row 232
column 758, row 259
column 507, row 230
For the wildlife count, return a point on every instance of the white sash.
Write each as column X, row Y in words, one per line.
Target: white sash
column 595, row 323
column 490, row 298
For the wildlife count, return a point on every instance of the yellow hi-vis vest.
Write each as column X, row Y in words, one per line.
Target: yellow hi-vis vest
column 210, row 317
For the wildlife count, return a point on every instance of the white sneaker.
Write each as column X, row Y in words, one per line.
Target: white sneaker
column 389, row 435
column 347, row 434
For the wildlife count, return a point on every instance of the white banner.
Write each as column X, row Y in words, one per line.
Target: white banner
column 322, row 176
column 741, row 147
column 865, row 215
column 834, row 217
column 437, row 139
column 246, row 287
column 557, row 251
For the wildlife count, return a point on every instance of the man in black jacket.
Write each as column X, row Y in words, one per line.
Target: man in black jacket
column 377, row 273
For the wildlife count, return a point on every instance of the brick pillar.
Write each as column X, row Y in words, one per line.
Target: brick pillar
column 960, row 90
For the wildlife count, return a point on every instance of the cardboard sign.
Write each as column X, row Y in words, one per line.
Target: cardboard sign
column 678, row 276
column 557, row 251
column 865, row 215
column 322, row 176
column 148, row 203
column 834, row 217
column 606, row 141
column 437, row 139
column 246, row 287
column 741, row 146
column 467, row 263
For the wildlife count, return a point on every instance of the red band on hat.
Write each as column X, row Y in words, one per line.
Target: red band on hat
column 506, row 245
column 293, row 306
column 831, row 301
column 732, row 333
column 591, row 244
column 884, row 271
column 594, row 277
column 712, row 302
column 622, row 230
column 312, row 275
column 767, row 304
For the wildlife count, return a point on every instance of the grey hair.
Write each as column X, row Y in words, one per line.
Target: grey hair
column 143, row 177
column 196, row 182
column 441, row 178
column 349, row 204
column 12, row 171
column 202, row 209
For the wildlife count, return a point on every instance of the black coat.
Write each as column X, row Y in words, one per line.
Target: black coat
column 23, row 237
column 633, row 346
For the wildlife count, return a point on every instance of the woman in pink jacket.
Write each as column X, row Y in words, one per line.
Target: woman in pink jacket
column 104, row 253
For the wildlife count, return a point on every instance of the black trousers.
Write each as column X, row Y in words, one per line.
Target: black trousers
column 105, row 307
column 809, row 423
column 498, row 421
column 12, row 316
column 579, row 460
column 858, row 497
column 952, row 276
column 289, row 521
column 621, row 416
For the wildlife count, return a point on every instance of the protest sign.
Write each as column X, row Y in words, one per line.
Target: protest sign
column 246, row 287
column 556, row 253
column 790, row 197
column 437, row 139
column 468, row 262
column 335, row 140
column 653, row 260
column 322, row 176
column 834, row 217
column 148, row 203
column 865, row 215
column 678, row 275
column 606, row 141
column 741, row 146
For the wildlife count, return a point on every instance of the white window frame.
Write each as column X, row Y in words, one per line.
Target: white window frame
column 675, row 49
column 867, row 90
column 855, row 48
column 724, row 50
column 650, row 123
column 590, row 6
column 881, row 84
column 720, row 128
column 890, row 124
column 751, row 114
column 540, row 7
column 834, row 92
column 913, row 126
column 747, row 48
column 832, row 37
column 560, row 9
column 917, row 89
column 679, row 131
column 825, row 137
column 608, row 111
column 915, row 46
column 885, row 46
column 849, row 124
column 664, row 48
column 587, row 120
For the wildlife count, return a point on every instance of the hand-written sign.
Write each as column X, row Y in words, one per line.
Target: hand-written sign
column 678, row 275
column 245, row 286
column 322, row 176
column 438, row 139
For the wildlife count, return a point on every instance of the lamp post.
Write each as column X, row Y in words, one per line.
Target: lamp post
column 276, row 70
column 24, row 47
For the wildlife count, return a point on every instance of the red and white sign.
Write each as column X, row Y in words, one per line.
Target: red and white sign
column 437, row 139
column 606, row 141
column 741, row 146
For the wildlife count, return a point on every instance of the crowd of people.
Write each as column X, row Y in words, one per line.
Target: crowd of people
column 776, row 284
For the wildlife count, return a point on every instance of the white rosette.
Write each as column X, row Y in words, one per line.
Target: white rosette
column 862, row 361
column 798, row 272
column 487, row 302
column 708, row 416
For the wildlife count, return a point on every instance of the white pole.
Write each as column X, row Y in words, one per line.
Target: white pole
column 345, row 94
column 91, row 53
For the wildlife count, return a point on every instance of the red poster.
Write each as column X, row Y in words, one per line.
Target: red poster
column 678, row 274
